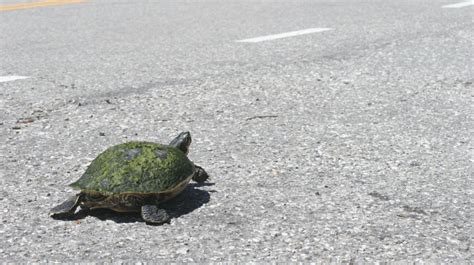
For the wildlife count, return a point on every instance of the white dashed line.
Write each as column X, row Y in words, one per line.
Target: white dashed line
column 285, row 35
column 459, row 5
column 9, row 78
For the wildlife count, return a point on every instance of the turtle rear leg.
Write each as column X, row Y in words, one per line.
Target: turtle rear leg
column 201, row 175
column 67, row 208
column 152, row 214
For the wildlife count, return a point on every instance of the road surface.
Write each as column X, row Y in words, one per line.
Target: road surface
column 333, row 131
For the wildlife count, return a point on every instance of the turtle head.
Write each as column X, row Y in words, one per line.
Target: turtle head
column 182, row 142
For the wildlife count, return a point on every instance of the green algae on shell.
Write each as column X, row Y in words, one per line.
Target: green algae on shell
column 136, row 167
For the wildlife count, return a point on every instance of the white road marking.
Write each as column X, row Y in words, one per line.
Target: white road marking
column 284, row 35
column 459, row 5
column 11, row 78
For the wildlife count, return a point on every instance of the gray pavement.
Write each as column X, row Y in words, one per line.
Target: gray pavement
column 348, row 145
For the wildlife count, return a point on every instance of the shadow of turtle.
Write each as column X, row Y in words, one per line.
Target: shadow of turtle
column 184, row 203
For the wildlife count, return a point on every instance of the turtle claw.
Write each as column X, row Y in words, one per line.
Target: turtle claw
column 201, row 175
column 152, row 214
column 67, row 208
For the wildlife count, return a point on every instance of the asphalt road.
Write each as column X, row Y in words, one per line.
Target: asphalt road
column 347, row 145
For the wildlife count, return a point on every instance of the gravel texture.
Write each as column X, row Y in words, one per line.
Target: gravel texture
column 350, row 145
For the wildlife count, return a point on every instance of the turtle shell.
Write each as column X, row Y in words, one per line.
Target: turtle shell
column 136, row 167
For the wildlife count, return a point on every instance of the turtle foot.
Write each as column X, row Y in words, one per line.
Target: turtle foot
column 152, row 214
column 201, row 175
column 67, row 208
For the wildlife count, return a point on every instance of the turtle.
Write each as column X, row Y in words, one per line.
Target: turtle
column 135, row 176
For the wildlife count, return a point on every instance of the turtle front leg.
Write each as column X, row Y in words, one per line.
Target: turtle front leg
column 152, row 214
column 67, row 208
column 201, row 175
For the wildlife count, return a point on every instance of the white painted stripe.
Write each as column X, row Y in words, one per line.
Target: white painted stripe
column 459, row 5
column 285, row 35
column 11, row 78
